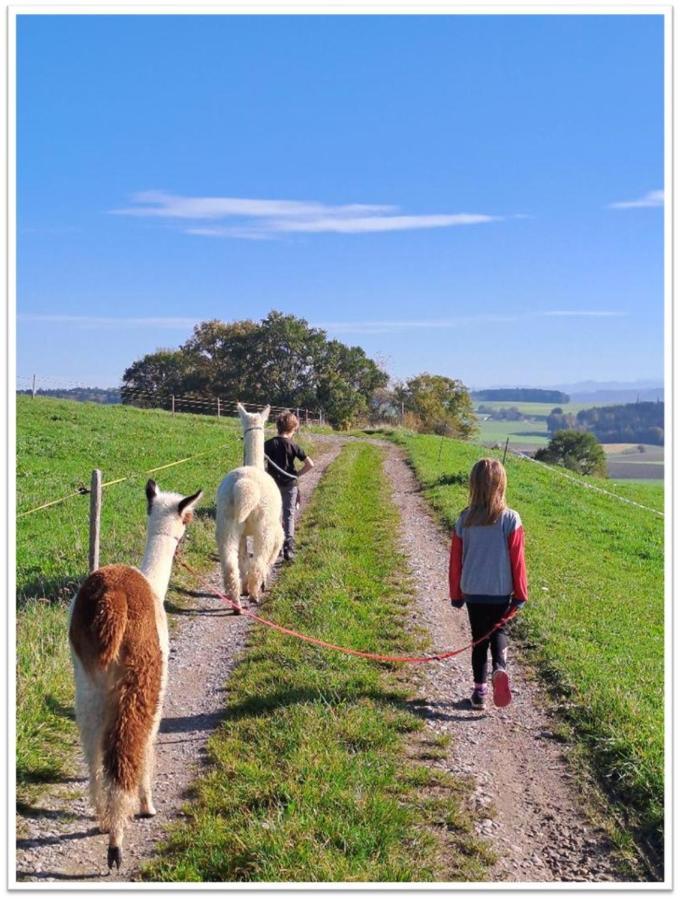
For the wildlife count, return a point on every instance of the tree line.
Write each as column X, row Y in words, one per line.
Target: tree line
column 81, row 394
column 522, row 395
column 625, row 423
column 284, row 361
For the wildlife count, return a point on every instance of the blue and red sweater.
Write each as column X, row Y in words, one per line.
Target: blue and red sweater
column 487, row 561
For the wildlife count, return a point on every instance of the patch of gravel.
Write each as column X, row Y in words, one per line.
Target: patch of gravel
column 527, row 801
column 59, row 839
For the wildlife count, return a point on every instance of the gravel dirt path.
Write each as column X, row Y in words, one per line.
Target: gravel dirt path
column 531, row 807
column 59, row 840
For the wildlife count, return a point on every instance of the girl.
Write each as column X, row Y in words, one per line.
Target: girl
column 487, row 571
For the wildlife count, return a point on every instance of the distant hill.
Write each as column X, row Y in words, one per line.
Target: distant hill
column 614, row 391
column 619, row 396
column 521, row 395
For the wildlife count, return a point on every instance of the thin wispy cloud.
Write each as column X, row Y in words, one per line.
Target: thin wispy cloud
column 583, row 313
column 651, row 198
column 394, row 326
column 257, row 219
column 369, row 326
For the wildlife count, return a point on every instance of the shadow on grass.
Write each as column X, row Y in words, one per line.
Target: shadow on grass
column 57, row 708
column 50, row 590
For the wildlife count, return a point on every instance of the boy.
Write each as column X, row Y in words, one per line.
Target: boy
column 283, row 452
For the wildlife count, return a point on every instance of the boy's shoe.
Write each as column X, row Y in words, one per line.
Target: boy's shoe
column 478, row 699
column 502, row 695
column 288, row 554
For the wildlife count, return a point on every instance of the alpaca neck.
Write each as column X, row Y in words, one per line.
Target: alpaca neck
column 157, row 563
column 253, row 447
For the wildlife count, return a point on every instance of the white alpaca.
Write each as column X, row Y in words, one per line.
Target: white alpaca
column 119, row 645
column 248, row 505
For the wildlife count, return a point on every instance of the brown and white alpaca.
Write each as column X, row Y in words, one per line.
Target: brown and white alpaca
column 248, row 505
column 119, row 645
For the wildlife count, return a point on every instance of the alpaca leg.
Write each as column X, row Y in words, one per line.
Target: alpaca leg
column 146, row 807
column 90, row 705
column 263, row 553
column 278, row 544
column 243, row 563
column 120, row 805
column 231, row 580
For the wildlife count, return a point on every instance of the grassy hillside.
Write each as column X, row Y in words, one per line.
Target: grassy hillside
column 595, row 620
column 59, row 442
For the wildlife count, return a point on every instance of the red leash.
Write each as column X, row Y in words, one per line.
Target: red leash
column 363, row 653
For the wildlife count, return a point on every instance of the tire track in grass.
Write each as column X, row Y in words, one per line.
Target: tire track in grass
column 317, row 772
column 59, row 840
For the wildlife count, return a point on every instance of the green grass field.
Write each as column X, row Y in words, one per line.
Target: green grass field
column 59, row 442
column 316, row 773
column 534, row 409
column 522, row 435
column 595, row 620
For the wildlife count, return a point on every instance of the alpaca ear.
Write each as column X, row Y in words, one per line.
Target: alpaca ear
column 186, row 506
column 264, row 415
column 151, row 492
column 243, row 414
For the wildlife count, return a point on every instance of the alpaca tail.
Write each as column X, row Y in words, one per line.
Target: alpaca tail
column 125, row 744
column 245, row 498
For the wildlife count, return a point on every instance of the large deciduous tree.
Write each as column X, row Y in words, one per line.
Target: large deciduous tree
column 281, row 360
column 579, row 451
column 441, row 405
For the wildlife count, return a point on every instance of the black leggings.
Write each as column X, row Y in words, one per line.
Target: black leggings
column 483, row 616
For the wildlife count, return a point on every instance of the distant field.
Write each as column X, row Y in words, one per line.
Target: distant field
column 623, row 460
column 534, row 409
column 523, row 435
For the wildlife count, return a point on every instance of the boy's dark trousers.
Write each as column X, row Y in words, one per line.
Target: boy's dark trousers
column 289, row 497
column 483, row 617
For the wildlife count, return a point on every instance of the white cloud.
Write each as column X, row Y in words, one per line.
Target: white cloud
column 651, row 198
column 172, row 206
column 257, row 219
column 363, row 224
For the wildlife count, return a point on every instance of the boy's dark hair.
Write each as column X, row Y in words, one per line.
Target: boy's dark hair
column 286, row 422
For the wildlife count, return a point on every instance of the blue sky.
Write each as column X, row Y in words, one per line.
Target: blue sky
column 475, row 196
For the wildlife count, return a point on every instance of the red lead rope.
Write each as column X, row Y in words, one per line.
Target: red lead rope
column 350, row 650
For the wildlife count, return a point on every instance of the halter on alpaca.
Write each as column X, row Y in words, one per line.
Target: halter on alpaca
column 248, row 505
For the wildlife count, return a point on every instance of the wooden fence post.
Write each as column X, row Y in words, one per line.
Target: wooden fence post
column 95, row 516
column 173, row 404
column 218, row 407
column 33, row 389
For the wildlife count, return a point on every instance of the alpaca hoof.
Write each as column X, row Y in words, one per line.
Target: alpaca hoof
column 115, row 857
column 237, row 610
column 147, row 813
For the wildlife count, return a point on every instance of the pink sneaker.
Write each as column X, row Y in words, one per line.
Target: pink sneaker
column 502, row 695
